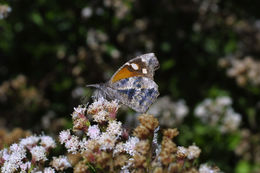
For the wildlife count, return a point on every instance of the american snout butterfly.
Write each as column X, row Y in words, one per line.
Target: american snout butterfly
column 132, row 84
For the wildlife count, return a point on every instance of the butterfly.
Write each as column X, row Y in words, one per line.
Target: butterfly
column 133, row 84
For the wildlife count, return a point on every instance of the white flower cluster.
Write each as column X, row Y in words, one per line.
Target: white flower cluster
column 4, row 10
column 60, row 163
column 245, row 71
column 16, row 157
column 218, row 111
column 192, row 152
column 169, row 113
column 107, row 138
column 79, row 111
column 103, row 110
column 204, row 168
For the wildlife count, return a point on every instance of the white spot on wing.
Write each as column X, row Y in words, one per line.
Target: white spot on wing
column 144, row 70
column 134, row 66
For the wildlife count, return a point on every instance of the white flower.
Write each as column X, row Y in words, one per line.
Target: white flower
column 119, row 148
column 78, row 111
column 224, row 101
column 101, row 116
column 200, row 110
column 38, row 153
column 193, row 152
column 25, row 166
column 115, row 128
column 48, row 170
column 72, row 144
column 47, row 142
column 219, row 112
column 93, row 132
column 113, row 105
column 206, row 169
column 64, row 136
column 29, row 141
column 130, row 144
column 182, row 150
column 14, row 160
column 4, row 154
column 9, row 167
column 83, row 144
column 231, row 121
column 86, row 12
column 181, row 110
column 60, row 163
column 97, row 104
column 4, row 10
column 106, row 141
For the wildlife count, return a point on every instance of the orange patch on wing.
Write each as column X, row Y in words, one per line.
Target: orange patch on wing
column 124, row 73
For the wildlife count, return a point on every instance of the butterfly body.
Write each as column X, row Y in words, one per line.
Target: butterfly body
column 133, row 83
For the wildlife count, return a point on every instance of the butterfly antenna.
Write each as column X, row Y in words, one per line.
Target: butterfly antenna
column 94, row 86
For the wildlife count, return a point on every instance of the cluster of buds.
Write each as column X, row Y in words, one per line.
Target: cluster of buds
column 30, row 155
column 218, row 112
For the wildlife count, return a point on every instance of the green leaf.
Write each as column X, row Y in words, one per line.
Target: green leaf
column 166, row 65
column 243, row 167
column 37, row 18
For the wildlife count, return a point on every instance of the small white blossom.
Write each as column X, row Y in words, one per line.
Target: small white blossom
column 93, row 132
column 14, row 160
column 48, row 170
column 97, row 104
column 60, row 163
column 78, row 111
column 38, row 153
column 193, row 152
column 113, row 105
column 4, row 154
column 4, row 11
column 64, row 136
column 115, row 128
column 25, row 166
column 218, row 112
column 107, row 141
column 30, row 141
column 181, row 109
column 83, row 144
column 86, row 12
column 130, row 144
column 231, row 121
column 224, row 101
column 204, row 168
column 119, row 148
column 101, row 116
column 47, row 142
column 182, row 150
column 72, row 144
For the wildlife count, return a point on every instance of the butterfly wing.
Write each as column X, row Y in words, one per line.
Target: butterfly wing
column 143, row 65
column 136, row 92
